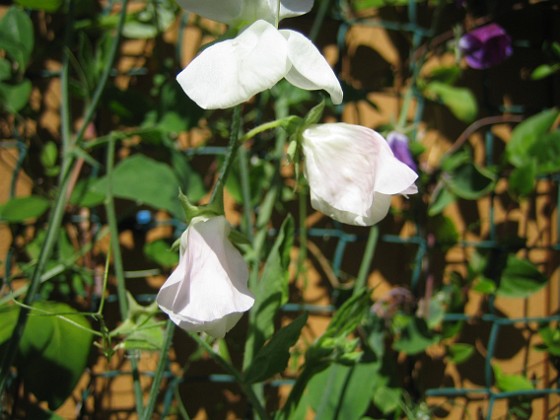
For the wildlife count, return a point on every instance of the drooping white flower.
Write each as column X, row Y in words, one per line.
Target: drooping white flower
column 230, row 72
column 352, row 173
column 208, row 289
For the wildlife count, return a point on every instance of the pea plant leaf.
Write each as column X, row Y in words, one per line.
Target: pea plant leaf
column 21, row 209
column 527, row 136
column 54, row 347
column 145, row 181
column 272, row 289
column 520, row 278
column 274, row 356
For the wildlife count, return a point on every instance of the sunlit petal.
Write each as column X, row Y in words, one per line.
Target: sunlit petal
column 208, row 290
column 352, row 173
column 310, row 70
column 231, row 72
column 292, row 8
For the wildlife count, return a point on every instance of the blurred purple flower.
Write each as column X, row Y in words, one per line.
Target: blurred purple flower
column 486, row 46
column 398, row 143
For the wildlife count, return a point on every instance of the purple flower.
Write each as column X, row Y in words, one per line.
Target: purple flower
column 398, row 143
column 486, row 46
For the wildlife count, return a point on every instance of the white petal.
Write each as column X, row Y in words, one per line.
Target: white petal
column 378, row 210
column 340, row 168
column 352, row 173
column 219, row 10
column 208, row 290
column 392, row 175
column 310, row 70
column 231, row 72
column 291, row 8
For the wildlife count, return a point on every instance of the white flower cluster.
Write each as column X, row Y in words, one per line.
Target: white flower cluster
column 351, row 170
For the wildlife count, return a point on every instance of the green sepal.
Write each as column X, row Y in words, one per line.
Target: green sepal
column 213, row 209
column 314, row 115
column 292, row 151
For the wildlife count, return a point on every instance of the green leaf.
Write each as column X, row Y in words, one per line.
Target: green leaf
column 13, row 98
column 485, row 286
column 522, row 180
column 527, row 134
column 440, row 201
column 191, row 182
column 54, row 350
column 5, row 69
column 511, row 383
column 446, row 74
column 84, row 195
column 20, row 209
column 376, row 4
column 460, row 101
column 444, row 230
column 460, row 352
column 387, row 399
column 140, row 330
column 160, row 252
column 544, row 70
column 155, row 18
column 415, row 337
column 520, row 279
column 48, row 157
column 46, row 5
column 8, row 319
column 471, row 182
column 546, row 152
column 273, row 357
column 551, row 340
column 347, row 318
column 451, row 162
column 343, row 392
column 17, row 36
column 272, row 290
column 145, row 181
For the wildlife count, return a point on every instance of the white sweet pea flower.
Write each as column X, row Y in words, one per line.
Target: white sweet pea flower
column 208, row 289
column 230, row 72
column 352, row 173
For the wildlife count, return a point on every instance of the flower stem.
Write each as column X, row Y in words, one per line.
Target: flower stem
column 232, row 151
column 266, row 126
column 158, row 376
column 366, row 260
column 247, row 389
column 118, row 267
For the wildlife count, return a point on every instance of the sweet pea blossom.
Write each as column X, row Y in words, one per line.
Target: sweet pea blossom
column 208, row 289
column 486, row 46
column 398, row 142
column 230, row 72
column 353, row 173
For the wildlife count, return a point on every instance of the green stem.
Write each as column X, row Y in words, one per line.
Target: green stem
column 90, row 112
column 119, row 270
column 232, row 151
column 281, row 122
column 324, row 6
column 57, row 213
column 114, row 234
column 244, row 176
column 366, row 260
column 51, row 236
column 247, row 389
column 158, row 376
column 302, row 215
